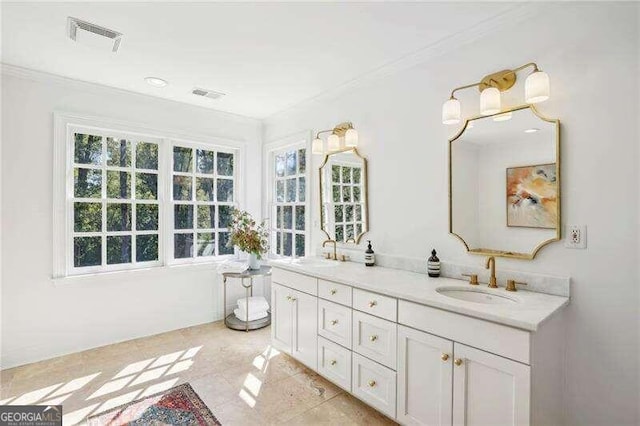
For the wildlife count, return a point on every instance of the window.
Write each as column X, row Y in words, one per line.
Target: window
column 203, row 196
column 346, row 181
column 115, row 202
column 289, row 214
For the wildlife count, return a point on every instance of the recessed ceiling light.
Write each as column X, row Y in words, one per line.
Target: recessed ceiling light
column 156, row 82
column 532, row 130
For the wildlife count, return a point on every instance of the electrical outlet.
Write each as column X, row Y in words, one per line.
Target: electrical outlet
column 576, row 237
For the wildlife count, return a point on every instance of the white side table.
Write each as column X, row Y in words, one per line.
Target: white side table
column 231, row 321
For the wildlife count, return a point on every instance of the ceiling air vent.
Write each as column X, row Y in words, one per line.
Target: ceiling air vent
column 211, row 94
column 93, row 35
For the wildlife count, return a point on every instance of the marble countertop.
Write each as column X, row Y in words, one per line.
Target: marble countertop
column 529, row 313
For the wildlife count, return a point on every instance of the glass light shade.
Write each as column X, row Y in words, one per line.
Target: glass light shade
column 317, row 146
column 451, row 112
column 351, row 138
column 503, row 117
column 536, row 87
column 490, row 101
column 333, row 142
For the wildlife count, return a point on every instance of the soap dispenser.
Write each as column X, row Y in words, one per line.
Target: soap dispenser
column 433, row 265
column 369, row 256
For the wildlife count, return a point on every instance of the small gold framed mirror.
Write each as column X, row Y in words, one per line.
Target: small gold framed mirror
column 344, row 207
column 504, row 183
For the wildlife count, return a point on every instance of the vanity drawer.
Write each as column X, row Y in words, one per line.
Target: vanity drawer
column 334, row 363
column 499, row 339
column 296, row 281
column 374, row 384
column 334, row 322
column 375, row 304
column 335, row 292
column 375, row 338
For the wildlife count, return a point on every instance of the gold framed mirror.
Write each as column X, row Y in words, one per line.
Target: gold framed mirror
column 504, row 183
column 344, row 209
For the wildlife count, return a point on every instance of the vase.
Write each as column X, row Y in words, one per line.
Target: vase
column 254, row 262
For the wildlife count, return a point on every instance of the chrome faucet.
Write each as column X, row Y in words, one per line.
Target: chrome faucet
column 491, row 263
column 335, row 255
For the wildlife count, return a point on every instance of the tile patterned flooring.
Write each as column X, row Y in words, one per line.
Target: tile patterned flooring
column 240, row 377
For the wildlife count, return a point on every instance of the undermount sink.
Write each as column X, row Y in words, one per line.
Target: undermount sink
column 476, row 295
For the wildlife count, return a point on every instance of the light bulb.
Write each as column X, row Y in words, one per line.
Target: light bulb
column 536, row 87
column 503, row 117
column 351, row 138
column 317, row 146
column 490, row 101
column 451, row 112
column 333, row 142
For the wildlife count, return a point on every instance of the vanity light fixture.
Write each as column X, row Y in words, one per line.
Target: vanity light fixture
column 536, row 89
column 342, row 136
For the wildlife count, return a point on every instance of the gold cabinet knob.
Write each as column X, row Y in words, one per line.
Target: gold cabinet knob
column 457, row 362
column 372, row 383
column 444, row 357
column 333, row 362
column 334, row 322
column 373, row 338
column 293, row 299
column 289, row 298
column 333, row 291
column 372, row 303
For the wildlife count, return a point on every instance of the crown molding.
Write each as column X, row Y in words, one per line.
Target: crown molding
column 518, row 13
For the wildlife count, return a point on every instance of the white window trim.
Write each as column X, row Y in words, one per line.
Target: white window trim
column 64, row 122
column 297, row 140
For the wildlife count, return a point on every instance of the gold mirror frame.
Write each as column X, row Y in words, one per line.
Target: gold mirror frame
column 365, row 188
column 502, row 253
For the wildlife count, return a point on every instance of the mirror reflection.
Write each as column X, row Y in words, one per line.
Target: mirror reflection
column 343, row 193
column 504, row 184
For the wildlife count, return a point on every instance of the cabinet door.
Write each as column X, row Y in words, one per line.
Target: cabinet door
column 304, row 346
column 424, row 378
column 489, row 389
column 281, row 317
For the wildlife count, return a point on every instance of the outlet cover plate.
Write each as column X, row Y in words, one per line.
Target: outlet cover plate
column 575, row 237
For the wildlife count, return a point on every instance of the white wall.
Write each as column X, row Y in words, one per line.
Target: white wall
column 42, row 319
column 584, row 48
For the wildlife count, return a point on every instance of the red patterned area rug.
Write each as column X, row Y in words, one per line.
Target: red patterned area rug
column 179, row 405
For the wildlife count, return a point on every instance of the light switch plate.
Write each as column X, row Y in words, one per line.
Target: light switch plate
column 575, row 236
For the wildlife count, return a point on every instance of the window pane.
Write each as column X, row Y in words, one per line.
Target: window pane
column 336, row 193
column 87, row 183
column 335, row 174
column 302, row 161
column 339, row 213
column 146, row 186
column 119, row 217
column 279, row 217
column 206, row 244
column 292, row 160
column 358, row 230
column 118, row 249
column 348, row 213
column 147, row 156
column 146, row 248
column 87, row 217
column 291, row 190
column 204, row 160
column 183, row 216
column 146, row 217
column 349, row 231
column 223, row 239
column 225, row 164
column 288, row 244
column 280, row 191
column 118, row 184
column 356, row 193
column 118, row 152
column 224, row 216
column 87, row 251
column 280, row 165
column 300, row 218
column 204, row 189
column 299, row 245
column 182, row 159
column 182, row 188
column 346, row 175
column 206, row 217
column 288, row 217
column 182, row 245
column 356, row 174
column 339, row 233
column 278, row 242
column 358, row 212
column 225, row 190
column 346, row 193
column 87, row 149
column 301, row 189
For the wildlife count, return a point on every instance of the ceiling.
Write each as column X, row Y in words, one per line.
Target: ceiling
column 265, row 57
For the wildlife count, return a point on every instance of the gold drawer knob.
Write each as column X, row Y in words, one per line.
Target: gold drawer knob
column 333, row 291
column 333, row 362
column 334, row 322
column 444, row 357
column 293, row 299
column 373, row 338
column 458, row 362
column 372, row 383
column 372, row 303
column 289, row 298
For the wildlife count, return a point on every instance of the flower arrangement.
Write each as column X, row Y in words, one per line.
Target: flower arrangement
column 247, row 234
